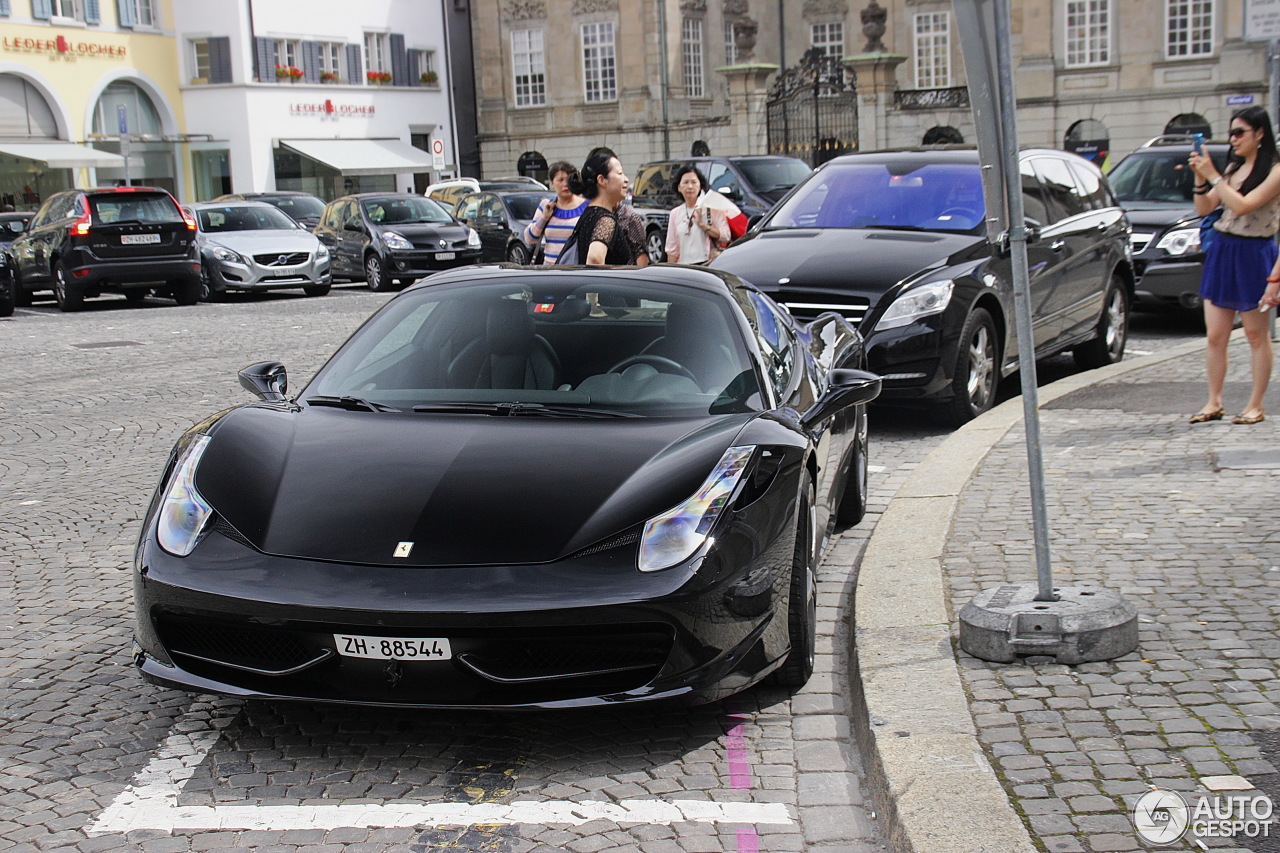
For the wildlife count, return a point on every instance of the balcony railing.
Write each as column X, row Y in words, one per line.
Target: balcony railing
column 956, row 97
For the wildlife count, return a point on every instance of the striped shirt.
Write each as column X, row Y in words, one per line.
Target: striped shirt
column 556, row 231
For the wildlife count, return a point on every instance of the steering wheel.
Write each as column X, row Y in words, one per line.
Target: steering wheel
column 657, row 362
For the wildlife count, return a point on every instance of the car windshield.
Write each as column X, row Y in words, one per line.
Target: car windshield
column 773, row 174
column 299, row 207
column 134, row 207
column 524, row 205
column 556, row 345
column 1163, row 176
column 933, row 197
column 218, row 220
column 398, row 210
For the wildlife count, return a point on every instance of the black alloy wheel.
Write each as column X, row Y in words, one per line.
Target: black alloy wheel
column 655, row 243
column 66, row 292
column 518, row 254
column 375, row 275
column 802, row 602
column 1113, row 331
column 977, row 370
column 853, row 503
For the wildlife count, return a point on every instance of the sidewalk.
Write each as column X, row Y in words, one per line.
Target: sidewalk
column 966, row 756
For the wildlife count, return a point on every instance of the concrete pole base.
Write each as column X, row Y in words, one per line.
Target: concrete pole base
column 1086, row 623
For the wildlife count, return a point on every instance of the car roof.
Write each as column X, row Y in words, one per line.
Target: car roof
column 698, row 278
column 231, row 202
column 113, row 190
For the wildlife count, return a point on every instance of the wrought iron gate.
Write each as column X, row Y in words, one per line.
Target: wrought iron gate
column 812, row 110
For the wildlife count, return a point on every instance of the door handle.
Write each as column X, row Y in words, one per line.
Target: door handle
column 1057, row 245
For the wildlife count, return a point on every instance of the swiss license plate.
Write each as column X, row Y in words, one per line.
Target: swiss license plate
column 445, row 256
column 393, row 648
column 135, row 239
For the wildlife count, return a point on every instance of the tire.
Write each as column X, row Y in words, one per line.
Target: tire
column 316, row 289
column 518, row 254
column 655, row 243
column 6, row 301
column 1113, row 332
column 802, row 602
column 135, row 295
column 853, row 503
column 186, row 291
column 66, row 292
column 21, row 296
column 977, row 370
column 375, row 275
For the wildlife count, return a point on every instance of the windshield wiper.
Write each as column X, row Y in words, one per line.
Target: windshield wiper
column 545, row 410
column 351, row 404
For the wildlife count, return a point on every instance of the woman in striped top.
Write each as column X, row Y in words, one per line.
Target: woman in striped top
column 555, row 220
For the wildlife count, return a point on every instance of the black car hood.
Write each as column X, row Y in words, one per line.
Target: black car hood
column 1154, row 214
column 863, row 262
column 329, row 484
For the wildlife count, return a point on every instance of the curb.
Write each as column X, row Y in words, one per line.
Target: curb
column 927, row 773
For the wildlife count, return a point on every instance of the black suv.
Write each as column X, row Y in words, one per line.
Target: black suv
column 1153, row 185
column 754, row 184
column 130, row 240
column 11, row 225
column 303, row 208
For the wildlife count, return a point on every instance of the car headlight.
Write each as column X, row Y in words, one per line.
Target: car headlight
column 323, row 251
column 221, row 253
column 473, row 239
column 671, row 538
column 1183, row 241
column 916, row 303
column 184, row 515
column 392, row 240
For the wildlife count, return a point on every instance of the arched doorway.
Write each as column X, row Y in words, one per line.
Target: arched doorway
column 1091, row 139
column 26, row 116
column 150, row 158
column 1185, row 124
column 942, row 135
column 532, row 165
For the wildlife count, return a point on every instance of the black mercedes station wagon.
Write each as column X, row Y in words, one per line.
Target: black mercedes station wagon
column 896, row 242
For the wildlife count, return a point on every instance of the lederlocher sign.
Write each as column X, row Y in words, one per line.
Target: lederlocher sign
column 62, row 47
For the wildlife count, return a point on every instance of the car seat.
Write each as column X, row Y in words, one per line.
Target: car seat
column 697, row 339
column 510, row 355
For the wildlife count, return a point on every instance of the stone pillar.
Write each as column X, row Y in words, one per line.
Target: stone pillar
column 748, row 92
column 877, row 82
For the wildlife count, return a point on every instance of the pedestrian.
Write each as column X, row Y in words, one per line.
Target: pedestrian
column 1241, row 270
column 554, row 221
column 598, row 239
column 695, row 234
column 630, row 221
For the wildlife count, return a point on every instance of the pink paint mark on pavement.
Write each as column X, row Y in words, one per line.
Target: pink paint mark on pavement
column 748, row 841
column 740, row 778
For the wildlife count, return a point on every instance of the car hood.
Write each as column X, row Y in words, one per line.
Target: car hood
column 427, row 234
column 1154, row 214
column 265, row 240
column 328, row 484
column 863, row 262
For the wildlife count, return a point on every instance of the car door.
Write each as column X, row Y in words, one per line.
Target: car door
column 328, row 231
column 1102, row 230
column 1071, row 241
column 491, row 225
column 39, row 244
column 353, row 237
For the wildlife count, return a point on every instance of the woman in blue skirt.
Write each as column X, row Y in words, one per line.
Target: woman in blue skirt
column 1241, row 272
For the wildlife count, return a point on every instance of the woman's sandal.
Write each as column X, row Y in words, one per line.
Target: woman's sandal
column 1249, row 419
column 1204, row 417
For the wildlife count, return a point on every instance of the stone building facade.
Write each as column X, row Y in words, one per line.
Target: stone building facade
column 655, row 79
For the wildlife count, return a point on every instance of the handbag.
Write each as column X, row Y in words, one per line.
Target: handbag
column 1207, row 231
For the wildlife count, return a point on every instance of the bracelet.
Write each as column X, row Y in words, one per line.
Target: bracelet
column 1215, row 180
column 1204, row 190
column 1271, row 279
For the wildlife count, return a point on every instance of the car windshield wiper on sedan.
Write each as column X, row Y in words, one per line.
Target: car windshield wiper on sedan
column 546, row 410
column 351, row 404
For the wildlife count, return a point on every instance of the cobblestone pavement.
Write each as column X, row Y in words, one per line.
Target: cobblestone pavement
column 89, row 407
column 1179, row 520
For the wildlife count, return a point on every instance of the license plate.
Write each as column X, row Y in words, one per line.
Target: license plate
column 445, row 256
column 135, row 239
column 393, row 648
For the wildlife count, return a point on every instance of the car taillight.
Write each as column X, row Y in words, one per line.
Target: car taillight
column 80, row 227
column 189, row 219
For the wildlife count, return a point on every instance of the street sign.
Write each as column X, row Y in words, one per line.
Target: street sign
column 1261, row 20
column 1239, row 100
column 437, row 154
column 122, row 116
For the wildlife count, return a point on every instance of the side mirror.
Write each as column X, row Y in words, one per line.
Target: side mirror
column 848, row 388
column 353, row 225
column 731, row 192
column 754, row 221
column 266, row 379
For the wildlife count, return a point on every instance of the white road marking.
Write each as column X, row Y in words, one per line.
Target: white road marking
column 151, row 802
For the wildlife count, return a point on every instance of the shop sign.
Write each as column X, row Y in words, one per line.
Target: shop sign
column 63, row 47
column 328, row 109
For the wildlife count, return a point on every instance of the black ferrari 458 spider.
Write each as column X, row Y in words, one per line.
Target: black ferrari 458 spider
column 516, row 488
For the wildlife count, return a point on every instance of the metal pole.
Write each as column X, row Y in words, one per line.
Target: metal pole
column 1273, row 64
column 662, row 76
column 1022, row 307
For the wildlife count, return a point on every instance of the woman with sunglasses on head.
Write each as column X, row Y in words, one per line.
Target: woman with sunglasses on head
column 1241, row 271
column 695, row 234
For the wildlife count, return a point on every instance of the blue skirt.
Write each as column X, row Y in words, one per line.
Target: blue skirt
column 1236, row 270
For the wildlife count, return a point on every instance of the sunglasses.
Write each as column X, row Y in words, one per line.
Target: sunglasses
column 1237, row 131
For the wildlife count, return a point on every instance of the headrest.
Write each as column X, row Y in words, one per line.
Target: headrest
column 509, row 328
column 691, row 320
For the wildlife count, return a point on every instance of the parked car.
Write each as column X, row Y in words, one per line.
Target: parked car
column 544, row 505
column 252, row 246
column 896, row 241
column 393, row 238
column 130, row 240
column 500, row 217
column 448, row 192
column 1153, row 185
column 303, row 208
column 755, row 184
column 11, row 225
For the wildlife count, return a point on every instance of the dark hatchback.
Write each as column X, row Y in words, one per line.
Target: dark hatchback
column 494, row 495
column 500, row 218
column 130, row 240
column 1153, row 185
column 389, row 238
column 896, row 242
column 303, row 208
column 12, row 224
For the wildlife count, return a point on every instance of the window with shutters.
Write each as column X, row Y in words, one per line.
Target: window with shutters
column 144, row 13
column 200, row 65
column 528, row 62
column 933, row 50
column 1189, row 28
column 1088, row 32
column 71, row 9
column 288, row 53
column 377, row 53
column 599, row 62
column 330, row 60
column 691, row 52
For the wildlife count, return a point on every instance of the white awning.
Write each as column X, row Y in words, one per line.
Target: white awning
column 357, row 157
column 63, row 155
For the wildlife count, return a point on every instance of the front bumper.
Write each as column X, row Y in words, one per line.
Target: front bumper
column 253, row 275
column 913, row 361
column 420, row 262
column 1164, row 280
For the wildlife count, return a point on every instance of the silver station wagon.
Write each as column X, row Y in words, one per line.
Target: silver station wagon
column 250, row 246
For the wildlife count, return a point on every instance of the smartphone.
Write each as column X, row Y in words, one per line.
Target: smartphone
column 1197, row 143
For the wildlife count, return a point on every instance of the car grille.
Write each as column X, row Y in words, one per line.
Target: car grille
column 237, row 645
column 290, row 259
column 806, row 307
